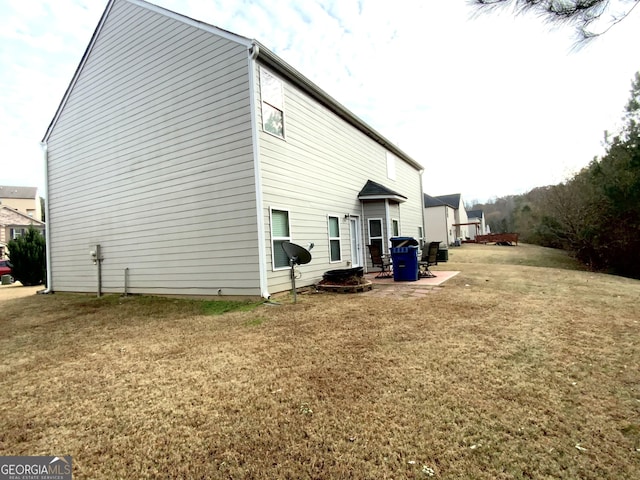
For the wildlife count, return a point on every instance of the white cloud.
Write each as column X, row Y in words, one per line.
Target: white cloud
column 490, row 106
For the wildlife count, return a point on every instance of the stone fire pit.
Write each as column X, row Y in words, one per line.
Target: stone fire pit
column 345, row 280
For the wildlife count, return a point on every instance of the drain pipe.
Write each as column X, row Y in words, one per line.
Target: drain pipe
column 47, row 230
column 253, row 53
column 126, row 281
column 96, row 255
column 387, row 214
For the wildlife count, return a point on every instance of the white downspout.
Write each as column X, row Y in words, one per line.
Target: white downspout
column 388, row 222
column 422, row 209
column 364, row 222
column 47, row 230
column 253, row 51
column 446, row 225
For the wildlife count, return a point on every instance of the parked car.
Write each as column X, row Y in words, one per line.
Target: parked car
column 5, row 268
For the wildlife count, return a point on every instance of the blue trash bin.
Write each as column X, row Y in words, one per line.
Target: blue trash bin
column 405, row 263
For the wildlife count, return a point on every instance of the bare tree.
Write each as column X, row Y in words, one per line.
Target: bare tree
column 590, row 18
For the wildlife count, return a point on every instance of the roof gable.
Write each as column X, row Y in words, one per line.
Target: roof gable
column 10, row 216
column 257, row 51
column 149, row 6
column 234, row 37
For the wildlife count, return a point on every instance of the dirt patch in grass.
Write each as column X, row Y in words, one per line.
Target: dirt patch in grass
column 16, row 290
column 513, row 369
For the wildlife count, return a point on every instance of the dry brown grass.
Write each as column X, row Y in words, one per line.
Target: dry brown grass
column 510, row 371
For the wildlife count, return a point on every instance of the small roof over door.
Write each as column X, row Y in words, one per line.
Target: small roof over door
column 375, row 191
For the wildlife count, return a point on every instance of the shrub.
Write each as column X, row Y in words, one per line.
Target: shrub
column 27, row 257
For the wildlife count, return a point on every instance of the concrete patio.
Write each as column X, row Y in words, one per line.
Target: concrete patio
column 422, row 287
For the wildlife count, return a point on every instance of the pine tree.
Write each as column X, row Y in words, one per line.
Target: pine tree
column 591, row 18
column 27, row 257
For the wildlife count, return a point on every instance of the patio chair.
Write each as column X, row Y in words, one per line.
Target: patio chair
column 378, row 259
column 429, row 257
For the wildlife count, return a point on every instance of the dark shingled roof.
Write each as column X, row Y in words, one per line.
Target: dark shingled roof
column 474, row 214
column 430, row 201
column 452, row 200
column 375, row 190
column 17, row 192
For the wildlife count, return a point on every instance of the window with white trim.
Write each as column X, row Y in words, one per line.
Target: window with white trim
column 280, row 232
column 395, row 227
column 272, row 104
column 17, row 232
column 421, row 236
column 335, row 250
column 391, row 166
column 375, row 233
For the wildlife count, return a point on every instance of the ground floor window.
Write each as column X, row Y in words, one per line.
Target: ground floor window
column 335, row 250
column 280, row 233
column 395, row 227
column 17, row 232
column 375, row 233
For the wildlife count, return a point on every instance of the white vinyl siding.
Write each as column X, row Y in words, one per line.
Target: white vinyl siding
column 321, row 167
column 335, row 248
column 437, row 225
column 151, row 158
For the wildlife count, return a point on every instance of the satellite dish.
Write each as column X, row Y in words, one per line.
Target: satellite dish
column 297, row 256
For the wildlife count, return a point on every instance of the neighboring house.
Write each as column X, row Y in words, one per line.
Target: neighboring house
column 14, row 224
column 445, row 218
column 23, row 199
column 477, row 225
column 190, row 154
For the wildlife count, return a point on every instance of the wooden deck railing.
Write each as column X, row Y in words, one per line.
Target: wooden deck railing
column 498, row 238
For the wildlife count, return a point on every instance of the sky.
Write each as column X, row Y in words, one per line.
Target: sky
column 490, row 105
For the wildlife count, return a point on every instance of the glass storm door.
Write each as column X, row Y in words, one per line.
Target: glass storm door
column 356, row 242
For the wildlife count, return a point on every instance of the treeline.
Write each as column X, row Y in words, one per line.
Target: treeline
column 595, row 214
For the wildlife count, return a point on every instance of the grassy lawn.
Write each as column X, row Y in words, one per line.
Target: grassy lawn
column 523, row 366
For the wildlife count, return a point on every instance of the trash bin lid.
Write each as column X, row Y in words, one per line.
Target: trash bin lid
column 404, row 242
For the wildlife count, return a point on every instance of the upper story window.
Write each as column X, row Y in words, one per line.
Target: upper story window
column 391, row 166
column 375, row 233
column 421, row 236
column 272, row 104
